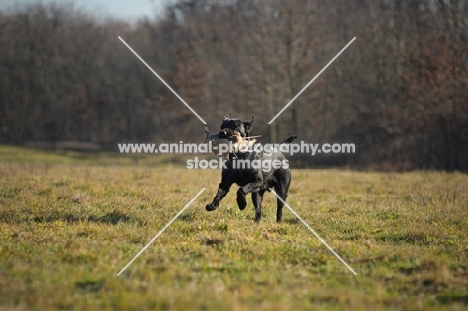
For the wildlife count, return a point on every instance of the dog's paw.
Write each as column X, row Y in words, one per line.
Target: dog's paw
column 210, row 207
column 241, row 201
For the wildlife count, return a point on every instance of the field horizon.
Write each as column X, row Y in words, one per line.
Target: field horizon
column 70, row 221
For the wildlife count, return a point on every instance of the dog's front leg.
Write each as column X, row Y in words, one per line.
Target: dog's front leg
column 222, row 191
column 242, row 192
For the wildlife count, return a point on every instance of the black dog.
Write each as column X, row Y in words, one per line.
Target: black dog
column 252, row 180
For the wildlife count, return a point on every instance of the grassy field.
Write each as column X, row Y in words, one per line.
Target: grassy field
column 70, row 222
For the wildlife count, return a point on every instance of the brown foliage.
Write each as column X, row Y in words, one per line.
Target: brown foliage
column 399, row 92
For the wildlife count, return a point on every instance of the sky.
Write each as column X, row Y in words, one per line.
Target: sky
column 129, row 10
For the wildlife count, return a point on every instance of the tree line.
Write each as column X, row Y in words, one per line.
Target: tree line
column 399, row 92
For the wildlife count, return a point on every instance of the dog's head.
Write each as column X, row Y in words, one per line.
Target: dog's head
column 230, row 125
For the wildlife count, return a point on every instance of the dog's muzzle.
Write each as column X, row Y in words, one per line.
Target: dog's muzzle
column 215, row 142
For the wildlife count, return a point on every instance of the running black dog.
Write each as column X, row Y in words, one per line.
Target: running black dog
column 255, row 179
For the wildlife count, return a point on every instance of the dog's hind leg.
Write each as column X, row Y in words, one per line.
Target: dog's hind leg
column 281, row 189
column 279, row 209
column 257, row 198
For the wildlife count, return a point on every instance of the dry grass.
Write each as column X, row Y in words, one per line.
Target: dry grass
column 70, row 222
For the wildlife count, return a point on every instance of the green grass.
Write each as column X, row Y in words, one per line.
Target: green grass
column 70, row 222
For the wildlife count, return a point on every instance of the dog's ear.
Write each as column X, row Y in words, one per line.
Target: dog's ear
column 226, row 117
column 248, row 125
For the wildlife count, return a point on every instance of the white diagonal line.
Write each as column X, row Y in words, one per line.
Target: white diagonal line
column 316, row 76
column 315, row 233
column 170, row 88
column 162, row 230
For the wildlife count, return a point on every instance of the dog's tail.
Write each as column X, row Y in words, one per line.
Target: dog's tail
column 289, row 140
